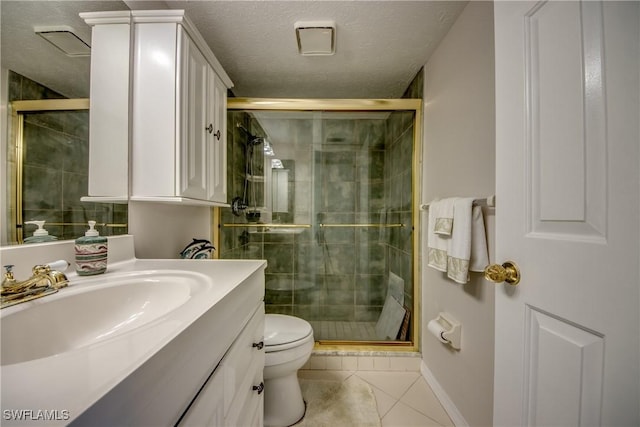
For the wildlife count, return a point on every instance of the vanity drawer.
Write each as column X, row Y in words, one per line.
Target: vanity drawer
column 244, row 361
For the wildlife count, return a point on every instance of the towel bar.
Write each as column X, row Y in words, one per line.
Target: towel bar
column 361, row 225
column 256, row 224
column 488, row 202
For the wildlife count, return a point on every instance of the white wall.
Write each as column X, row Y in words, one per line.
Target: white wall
column 163, row 230
column 459, row 160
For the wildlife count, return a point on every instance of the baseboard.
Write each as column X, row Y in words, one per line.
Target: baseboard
column 445, row 400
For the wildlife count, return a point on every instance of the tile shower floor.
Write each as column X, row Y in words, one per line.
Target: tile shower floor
column 403, row 398
column 343, row 331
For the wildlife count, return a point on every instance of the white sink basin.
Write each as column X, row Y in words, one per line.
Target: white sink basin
column 97, row 310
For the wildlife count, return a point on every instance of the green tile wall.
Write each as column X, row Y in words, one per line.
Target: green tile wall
column 55, row 162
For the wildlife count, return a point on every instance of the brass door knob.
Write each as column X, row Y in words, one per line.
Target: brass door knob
column 507, row 272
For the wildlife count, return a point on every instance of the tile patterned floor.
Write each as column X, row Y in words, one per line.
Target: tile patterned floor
column 404, row 398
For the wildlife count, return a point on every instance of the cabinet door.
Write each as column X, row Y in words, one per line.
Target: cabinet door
column 217, row 144
column 243, row 365
column 193, row 117
column 208, row 408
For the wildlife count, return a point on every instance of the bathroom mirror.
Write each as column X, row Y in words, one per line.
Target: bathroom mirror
column 34, row 69
column 48, row 166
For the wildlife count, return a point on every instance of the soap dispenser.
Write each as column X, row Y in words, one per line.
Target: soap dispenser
column 91, row 252
column 40, row 235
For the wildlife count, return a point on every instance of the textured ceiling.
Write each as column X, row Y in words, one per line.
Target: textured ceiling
column 30, row 55
column 380, row 45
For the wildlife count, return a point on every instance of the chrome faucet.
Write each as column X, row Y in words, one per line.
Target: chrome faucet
column 44, row 281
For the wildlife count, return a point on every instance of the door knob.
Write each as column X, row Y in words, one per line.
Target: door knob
column 507, row 272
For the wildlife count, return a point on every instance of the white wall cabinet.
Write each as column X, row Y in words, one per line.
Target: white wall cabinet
column 110, row 106
column 233, row 394
column 203, row 107
column 176, row 111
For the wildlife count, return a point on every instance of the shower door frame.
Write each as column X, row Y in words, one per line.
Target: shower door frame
column 18, row 110
column 361, row 105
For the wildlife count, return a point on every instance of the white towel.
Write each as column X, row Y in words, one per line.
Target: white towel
column 436, row 244
column 479, row 251
column 443, row 224
column 468, row 241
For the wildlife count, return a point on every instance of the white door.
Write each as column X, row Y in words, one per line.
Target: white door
column 568, row 188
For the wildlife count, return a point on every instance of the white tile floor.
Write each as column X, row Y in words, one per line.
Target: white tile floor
column 404, row 398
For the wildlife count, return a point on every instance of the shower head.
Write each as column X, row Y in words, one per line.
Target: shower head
column 257, row 140
column 252, row 140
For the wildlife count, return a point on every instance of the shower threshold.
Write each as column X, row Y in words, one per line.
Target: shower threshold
column 328, row 330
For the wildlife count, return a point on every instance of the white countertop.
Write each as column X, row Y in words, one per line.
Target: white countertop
column 156, row 364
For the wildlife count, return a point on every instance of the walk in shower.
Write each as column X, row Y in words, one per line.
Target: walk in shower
column 325, row 191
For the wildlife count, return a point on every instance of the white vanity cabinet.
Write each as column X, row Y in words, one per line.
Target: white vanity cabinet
column 233, row 395
column 173, row 114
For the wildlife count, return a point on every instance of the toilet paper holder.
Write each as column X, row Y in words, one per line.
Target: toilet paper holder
column 446, row 329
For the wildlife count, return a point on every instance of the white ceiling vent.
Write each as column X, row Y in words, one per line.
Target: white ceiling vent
column 316, row 37
column 65, row 39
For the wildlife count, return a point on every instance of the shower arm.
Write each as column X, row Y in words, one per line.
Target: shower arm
column 253, row 140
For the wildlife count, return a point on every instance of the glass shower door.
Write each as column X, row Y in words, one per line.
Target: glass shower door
column 363, row 220
column 335, row 207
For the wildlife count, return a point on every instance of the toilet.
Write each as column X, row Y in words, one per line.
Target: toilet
column 288, row 342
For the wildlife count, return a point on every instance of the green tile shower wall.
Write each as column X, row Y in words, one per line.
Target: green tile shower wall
column 56, row 161
column 333, row 273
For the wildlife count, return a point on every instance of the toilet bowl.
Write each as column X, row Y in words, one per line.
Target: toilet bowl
column 288, row 342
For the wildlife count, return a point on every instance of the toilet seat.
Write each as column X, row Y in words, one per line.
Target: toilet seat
column 283, row 332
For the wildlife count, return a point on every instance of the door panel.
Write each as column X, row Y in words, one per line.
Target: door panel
column 563, row 371
column 565, row 120
column 217, row 146
column 193, row 171
column 567, row 95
